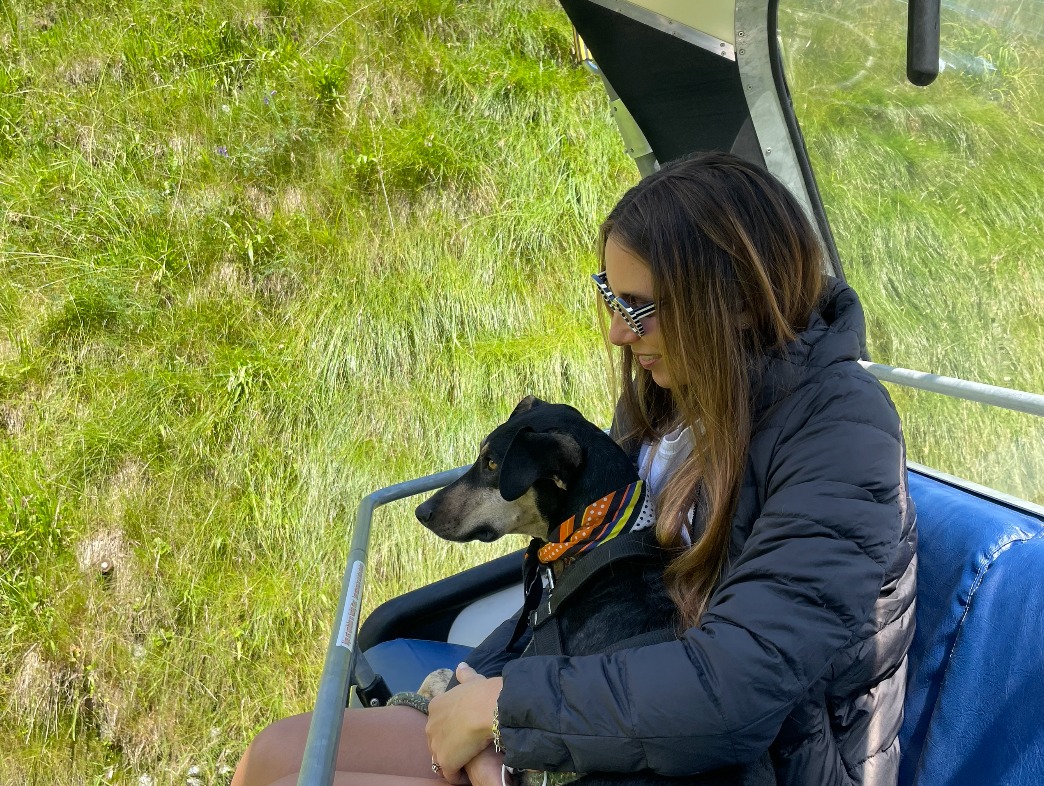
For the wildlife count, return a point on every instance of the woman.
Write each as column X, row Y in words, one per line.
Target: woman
column 777, row 463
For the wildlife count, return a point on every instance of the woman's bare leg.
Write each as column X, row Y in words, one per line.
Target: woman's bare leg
column 362, row 779
column 381, row 741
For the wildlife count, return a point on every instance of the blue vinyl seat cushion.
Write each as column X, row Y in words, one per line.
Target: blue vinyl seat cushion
column 404, row 663
column 974, row 710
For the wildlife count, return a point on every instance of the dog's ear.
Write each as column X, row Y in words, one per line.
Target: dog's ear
column 525, row 405
column 532, row 456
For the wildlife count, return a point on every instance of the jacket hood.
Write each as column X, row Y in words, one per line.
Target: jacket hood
column 836, row 333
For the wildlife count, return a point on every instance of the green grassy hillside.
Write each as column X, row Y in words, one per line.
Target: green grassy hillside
column 935, row 198
column 258, row 259
column 261, row 257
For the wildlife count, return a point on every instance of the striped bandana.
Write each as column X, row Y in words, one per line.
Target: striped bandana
column 624, row 510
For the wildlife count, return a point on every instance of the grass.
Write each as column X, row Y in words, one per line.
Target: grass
column 937, row 218
column 258, row 261
column 260, row 258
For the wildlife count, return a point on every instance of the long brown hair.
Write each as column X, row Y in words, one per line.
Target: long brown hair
column 736, row 272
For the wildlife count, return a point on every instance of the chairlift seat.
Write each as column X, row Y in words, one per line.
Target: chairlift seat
column 974, row 711
column 404, row 663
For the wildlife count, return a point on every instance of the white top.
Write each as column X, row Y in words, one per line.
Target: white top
column 658, row 461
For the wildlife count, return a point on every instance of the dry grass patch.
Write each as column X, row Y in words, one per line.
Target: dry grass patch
column 85, row 71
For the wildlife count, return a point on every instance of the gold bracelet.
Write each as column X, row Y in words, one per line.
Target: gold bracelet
column 498, row 746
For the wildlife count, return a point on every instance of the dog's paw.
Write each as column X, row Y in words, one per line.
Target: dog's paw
column 435, row 683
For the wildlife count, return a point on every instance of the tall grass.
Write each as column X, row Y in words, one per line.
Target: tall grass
column 259, row 258
column 934, row 196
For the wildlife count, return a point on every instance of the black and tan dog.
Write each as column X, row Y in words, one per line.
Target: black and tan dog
column 544, row 467
column 547, row 472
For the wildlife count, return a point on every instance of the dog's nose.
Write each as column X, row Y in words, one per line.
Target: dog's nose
column 424, row 511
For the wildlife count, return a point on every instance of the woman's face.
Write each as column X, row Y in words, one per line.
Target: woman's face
column 631, row 280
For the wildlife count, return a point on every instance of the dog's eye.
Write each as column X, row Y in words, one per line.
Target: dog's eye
column 491, row 464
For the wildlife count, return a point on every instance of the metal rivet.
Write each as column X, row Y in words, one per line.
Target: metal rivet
column 768, row 151
column 743, row 51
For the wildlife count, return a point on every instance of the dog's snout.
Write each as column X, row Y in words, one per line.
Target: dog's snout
column 424, row 511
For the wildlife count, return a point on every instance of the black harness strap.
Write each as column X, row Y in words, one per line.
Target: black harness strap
column 547, row 635
column 532, row 588
column 639, row 548
column 547, row 639
column 644, row 640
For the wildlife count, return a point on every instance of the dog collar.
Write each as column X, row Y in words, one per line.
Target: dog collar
column 624, row 510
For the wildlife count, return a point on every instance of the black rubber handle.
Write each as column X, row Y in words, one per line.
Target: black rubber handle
column 370, row 686
column 922, row 42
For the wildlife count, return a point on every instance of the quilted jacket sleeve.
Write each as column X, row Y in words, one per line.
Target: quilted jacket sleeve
column 801, row 588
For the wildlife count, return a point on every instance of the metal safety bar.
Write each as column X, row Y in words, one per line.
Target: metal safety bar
column 324, row 733
column 1020, row 401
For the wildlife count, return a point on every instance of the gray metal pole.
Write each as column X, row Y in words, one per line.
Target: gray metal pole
column 1031, row 403
column 324, row 732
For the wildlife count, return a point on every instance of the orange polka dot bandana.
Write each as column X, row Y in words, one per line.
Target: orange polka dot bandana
column 623, row 510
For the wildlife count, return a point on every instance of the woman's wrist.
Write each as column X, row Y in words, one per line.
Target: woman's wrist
column 491, row 721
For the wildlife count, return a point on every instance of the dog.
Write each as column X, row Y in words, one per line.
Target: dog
column 544, row 466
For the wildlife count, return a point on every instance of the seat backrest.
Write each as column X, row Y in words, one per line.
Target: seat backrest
column 974, row 711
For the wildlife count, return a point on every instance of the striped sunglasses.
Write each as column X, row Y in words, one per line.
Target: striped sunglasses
column 632, row 315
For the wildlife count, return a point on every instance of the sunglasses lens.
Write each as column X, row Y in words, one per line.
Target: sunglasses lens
column 612, row 302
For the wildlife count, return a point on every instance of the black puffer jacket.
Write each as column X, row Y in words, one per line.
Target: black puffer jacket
column 802, row 651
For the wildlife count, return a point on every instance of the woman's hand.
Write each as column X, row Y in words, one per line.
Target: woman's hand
column 460, row 723
column 486, row 769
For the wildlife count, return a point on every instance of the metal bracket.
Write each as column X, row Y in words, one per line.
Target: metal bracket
column 634, row 140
